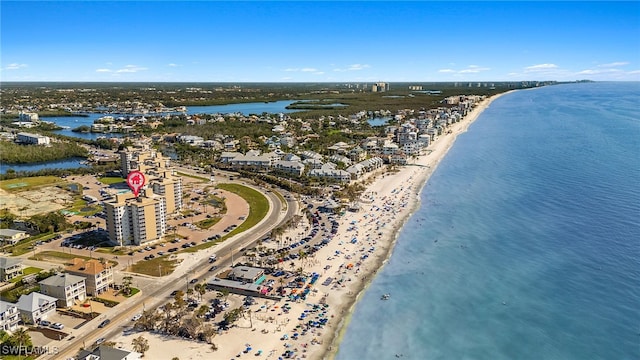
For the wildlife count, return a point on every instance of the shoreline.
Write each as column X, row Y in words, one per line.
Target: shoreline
column 339, row 330
column 361, row 247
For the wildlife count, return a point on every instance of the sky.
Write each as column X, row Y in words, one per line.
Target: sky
column 307, row 41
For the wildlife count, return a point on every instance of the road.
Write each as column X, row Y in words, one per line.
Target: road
column 156, row 293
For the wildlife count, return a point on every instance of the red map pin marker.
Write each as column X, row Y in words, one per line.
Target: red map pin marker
column 136, row 181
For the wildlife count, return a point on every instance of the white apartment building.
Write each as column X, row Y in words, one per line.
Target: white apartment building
column 98, row 276
column 35, row 306
column 66, row 288
column 135, row 221
column 9, row 316
column 35, row 139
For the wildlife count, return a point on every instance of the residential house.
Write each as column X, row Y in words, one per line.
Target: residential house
column 313, row 163
column 398, row 158
column 9, row 316
column 10, row 268
column 291, row 167
column 66, row 288
column 357, row 154
column 35, row 306
column 11, row 237
column 98, row 276
column 330, row 174
column 308, row 154
column 340, row 159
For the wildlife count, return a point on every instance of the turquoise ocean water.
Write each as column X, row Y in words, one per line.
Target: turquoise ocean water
column 527, row 241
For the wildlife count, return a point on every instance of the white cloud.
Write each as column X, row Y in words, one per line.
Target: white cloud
column 599, row 71
column 356, row 67
column 104, row 70
column 173, row 65
column 471, row 69
column 614, row 64
column 305, row 70
column 15, row 66
column 353, row 67
column 540, row 67
column 131, row 69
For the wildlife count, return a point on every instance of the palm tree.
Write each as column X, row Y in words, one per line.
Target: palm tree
column 21, row 339
column 126, row 285
column 140, row 344
column 147, row 321
column 202, row 290
column 203, row 309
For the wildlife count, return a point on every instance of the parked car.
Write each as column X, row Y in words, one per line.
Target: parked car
column 45, row 323
column 57, row 326
column 100, row 341
column 104, row 323
column 136, row 317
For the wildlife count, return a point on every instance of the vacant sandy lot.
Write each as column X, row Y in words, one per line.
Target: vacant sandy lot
column 35, row 201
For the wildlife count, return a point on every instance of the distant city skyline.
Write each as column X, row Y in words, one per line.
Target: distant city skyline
column 304, row 41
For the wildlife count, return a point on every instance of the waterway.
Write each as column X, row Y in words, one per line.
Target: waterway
column 71, row 163
column 72, row 122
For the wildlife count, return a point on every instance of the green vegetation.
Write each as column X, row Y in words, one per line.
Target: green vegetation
column 26, row 271
column 106, row 302
column 14, row 294
column 258, row 209
column 159, row 266
column 23, row 154
column 28, row 183
column 193, row 177
column 20, row 340
column 207, row 223
column 111, row 180
column 132, row 292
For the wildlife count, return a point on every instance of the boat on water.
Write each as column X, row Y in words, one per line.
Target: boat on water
column 385, row 297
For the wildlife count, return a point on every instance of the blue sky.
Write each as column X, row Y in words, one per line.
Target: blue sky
column 308, row 41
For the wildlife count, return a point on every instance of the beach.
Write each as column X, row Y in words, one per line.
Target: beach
column 312, row 328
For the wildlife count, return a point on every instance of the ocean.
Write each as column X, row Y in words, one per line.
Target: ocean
column 526, row 244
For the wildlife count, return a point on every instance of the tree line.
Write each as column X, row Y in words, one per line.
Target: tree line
column 13, row 153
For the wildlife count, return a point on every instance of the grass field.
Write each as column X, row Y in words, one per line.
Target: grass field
column 258, row 209
column 21, row 184
column 110, row 180
column 159, row 266
column 25, row 245
column 26, row 271
column 61, row 257
column 207, row 223
column 193, row 176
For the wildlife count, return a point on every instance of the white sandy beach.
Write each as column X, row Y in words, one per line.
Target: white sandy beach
column 386, row 204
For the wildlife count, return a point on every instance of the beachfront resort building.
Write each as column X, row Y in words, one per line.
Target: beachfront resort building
column 66, row 288
column 35, row 306
column 98, row 276
column 10, row 268
column 9, row 316
column 136, row 220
